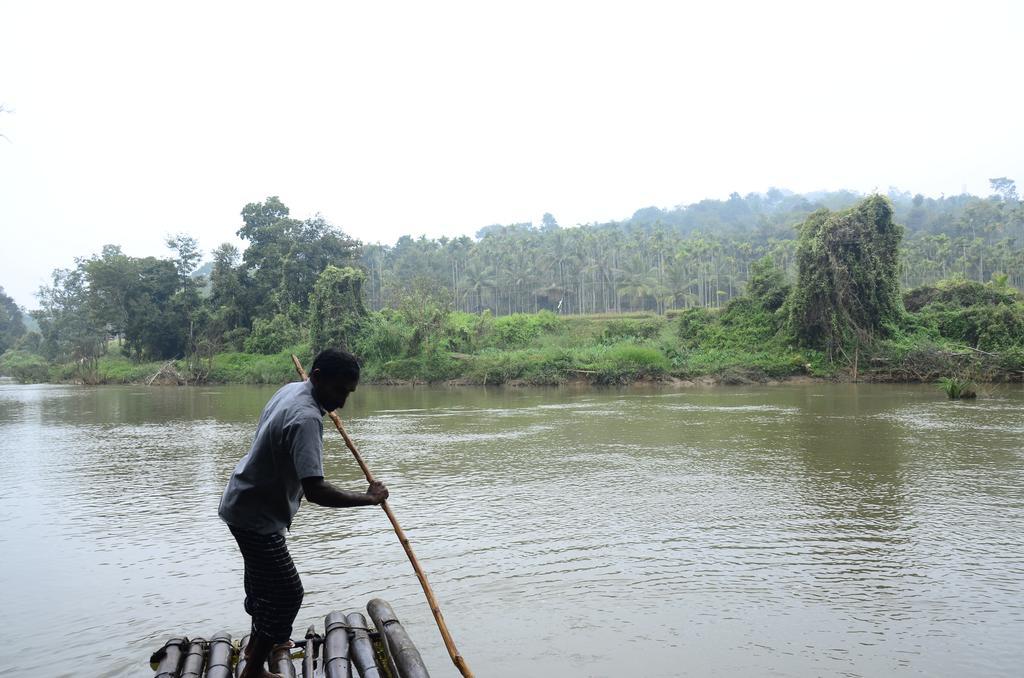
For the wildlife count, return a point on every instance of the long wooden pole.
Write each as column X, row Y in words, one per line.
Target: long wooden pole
column 453, row 651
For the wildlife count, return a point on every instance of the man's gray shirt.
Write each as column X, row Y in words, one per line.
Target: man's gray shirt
column 265, row 488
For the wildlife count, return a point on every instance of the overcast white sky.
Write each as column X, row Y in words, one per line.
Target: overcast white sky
column 135, row 120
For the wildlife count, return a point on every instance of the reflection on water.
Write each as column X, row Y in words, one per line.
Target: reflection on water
column 777, row 531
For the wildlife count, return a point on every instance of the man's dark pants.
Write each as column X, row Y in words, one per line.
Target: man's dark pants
column 273, row 591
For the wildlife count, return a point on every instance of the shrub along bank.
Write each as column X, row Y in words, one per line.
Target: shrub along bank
column 956, row 328
column 741, row 343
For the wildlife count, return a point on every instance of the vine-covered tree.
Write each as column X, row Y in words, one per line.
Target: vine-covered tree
column 336, row 309
column 847, row 288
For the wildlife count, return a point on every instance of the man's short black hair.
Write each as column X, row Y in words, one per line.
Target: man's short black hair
column 334, row 363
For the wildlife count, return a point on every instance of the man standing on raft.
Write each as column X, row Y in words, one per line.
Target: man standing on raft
column 284, row 464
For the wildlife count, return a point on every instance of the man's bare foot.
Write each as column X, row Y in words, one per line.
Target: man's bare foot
column 263, row 651
column 262, row 672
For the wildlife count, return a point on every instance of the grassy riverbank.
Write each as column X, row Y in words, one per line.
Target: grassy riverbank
column 961, row 329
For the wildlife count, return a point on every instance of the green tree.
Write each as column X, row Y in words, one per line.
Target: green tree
column 111, row 277
column 65, row 322
column 186, row 249
column 159, row 317
column 151, row 303
column 267, row 228
column 313, row 246
column 12, row 325
column 284, row 257
column 227, row 296
column 273, row 335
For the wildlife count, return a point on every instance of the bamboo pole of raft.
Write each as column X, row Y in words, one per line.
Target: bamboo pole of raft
column 361, row 647
column 218, row 664
column 401, row 649
column 336, row 662
column 240, row 665
column 192, row 667
column 281, row 662
column 170, row 657
column 449, row 644
column 309, row 652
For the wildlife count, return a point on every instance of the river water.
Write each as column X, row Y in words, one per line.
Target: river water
column 794, row 530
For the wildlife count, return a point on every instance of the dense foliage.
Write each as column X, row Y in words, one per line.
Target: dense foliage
column 986, row 317
column 751, row 287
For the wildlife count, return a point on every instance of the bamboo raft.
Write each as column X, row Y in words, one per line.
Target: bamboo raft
column 348, row 648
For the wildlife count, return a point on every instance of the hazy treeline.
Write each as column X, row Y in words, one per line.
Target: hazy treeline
column 695, row 255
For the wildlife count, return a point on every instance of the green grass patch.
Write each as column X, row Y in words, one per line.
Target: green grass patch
column 520, row 329
column 247, row 368
column 117, row 369
column 737, row 365
column 24, row 367
column 615, row 364
column 624, row 362
column 433, row 366
column 632, row 329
